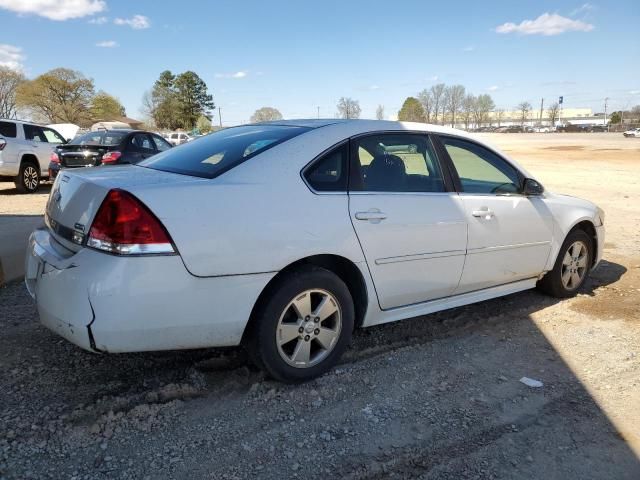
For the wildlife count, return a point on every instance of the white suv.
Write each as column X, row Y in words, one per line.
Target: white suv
column 178, row 138
column 25, row 150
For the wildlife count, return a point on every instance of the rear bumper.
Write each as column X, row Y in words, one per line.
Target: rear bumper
column 109, row 303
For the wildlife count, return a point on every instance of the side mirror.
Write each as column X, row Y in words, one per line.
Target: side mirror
column 532, row 188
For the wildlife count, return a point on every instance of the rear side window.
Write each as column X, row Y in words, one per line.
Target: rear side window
column 8, row 129
column 395, row 162
column 32, row 132
column 329, row 172
column 214, row 154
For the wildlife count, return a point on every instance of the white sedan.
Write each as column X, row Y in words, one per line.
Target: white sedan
column 285, row 236
column 634, row 132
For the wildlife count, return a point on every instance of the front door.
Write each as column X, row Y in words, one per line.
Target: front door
column 509, row 233
column 411, row 227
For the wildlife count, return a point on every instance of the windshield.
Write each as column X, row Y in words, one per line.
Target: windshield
column 218, row 152
column 103, row 137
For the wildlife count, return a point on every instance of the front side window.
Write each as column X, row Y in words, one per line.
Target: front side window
column 218, row 152
column 329, row 172
column 395, row 162
column 480, row 170
column 33, row 132
column 52, row 136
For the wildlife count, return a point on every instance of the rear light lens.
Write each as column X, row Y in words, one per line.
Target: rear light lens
column 111, row 157
column 125, row 226
column 54, row 158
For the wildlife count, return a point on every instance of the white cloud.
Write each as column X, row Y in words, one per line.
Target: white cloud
column 374, row 87
column 634, row 92
column 99, row 20
column 55, row 9
column 434, row 78
column 546, row 24
column 107, row 44
column 11, row 57
column 584, row 8
column 137, row 22
column 240, row 74
column 493, row 88
column 469, row 48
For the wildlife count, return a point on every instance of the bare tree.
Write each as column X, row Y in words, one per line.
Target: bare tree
column 454, row 97
column 552, row 112
column 348, row 108
column 10, row 80
column 484, row 105
column 499, row 113
column 266, row 114
column 468, row 108
column 437, row 93
column 524, row 108
column 426, row 99
column 380, row 112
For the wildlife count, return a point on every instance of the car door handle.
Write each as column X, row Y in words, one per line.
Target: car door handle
column 483, row 212
column 373, row 215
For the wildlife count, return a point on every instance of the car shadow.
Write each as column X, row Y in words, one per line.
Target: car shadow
column 451, row 377
column 44, row 188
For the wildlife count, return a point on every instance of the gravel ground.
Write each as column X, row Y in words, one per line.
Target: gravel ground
column 432, row 397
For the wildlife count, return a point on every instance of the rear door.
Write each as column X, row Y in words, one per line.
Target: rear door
column 409, row 221
column 139, row 147
column 509, row 233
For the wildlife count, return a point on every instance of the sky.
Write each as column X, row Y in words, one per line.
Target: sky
column 301, row 56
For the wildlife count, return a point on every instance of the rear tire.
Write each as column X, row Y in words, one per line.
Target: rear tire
column 300, row 330
column 28, row 179
column 571, row 268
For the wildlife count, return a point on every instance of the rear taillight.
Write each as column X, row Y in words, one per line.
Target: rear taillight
column 54, row 158
column 111, row 157
column 3, row 143
column 125, row 226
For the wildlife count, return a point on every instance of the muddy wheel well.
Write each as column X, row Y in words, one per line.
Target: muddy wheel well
column 348, row 272
column 587, row 227
column 29, row 158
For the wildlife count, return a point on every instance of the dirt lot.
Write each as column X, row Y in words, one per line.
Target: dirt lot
column 433, row 397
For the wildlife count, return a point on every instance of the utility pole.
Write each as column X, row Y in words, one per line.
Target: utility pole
column 220, row 116
column 541, row 107
column 606, row 100
column 318, row 112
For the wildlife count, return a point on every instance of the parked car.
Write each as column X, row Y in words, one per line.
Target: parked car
column 106, row 147
column 510, row 129
column 25, row 149
column 178, row 138
column 286, row 236
column 634, row 132
column 598, row 128
column 542, row 129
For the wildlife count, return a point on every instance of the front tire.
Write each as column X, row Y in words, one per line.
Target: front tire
column 28, row 179
column 300, row 330
column 571, row 268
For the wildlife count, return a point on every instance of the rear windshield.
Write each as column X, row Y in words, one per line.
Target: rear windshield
column 214, row 154
column 102, row 137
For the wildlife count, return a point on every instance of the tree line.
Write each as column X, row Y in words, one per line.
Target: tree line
column 60, row 95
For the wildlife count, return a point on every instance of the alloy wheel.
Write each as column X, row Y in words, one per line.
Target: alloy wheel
column 309, row 328
column 574, row 265
column 30, row 177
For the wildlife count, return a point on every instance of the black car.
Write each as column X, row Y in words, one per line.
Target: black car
column 106, row 147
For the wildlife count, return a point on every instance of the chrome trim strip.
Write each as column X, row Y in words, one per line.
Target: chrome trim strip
column 419, row 256
column 507, row 247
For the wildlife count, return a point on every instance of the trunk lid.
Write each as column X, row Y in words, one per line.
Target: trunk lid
column 82, row 155
column 77, row 195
